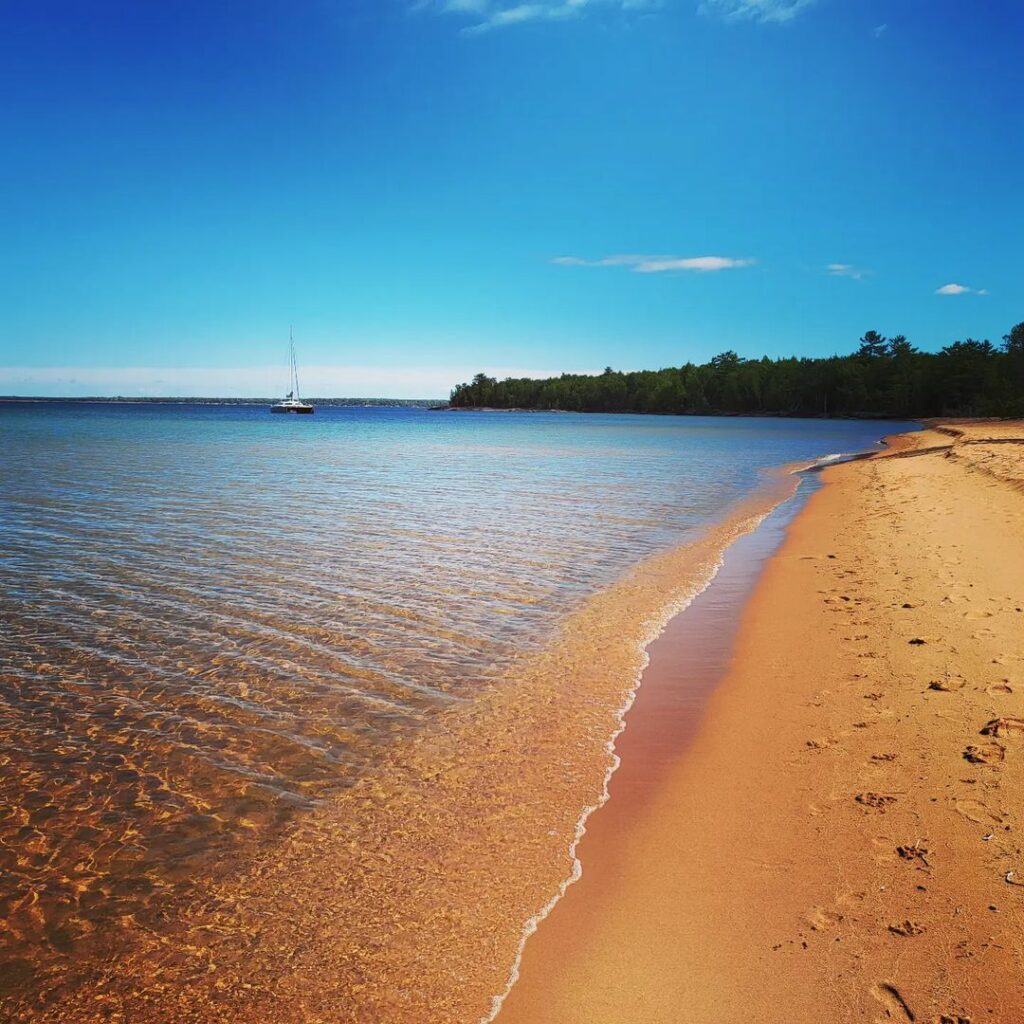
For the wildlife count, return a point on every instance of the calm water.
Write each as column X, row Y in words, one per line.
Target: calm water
column 212, row 617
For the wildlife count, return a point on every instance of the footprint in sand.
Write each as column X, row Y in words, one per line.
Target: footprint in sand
column 985, row 753
column 948, row 684
column 821, row 920
column 914, row 852
column 907, row 928
column 820, row 743
column 892, row 1001
column 999, row 689
column 1003, row 727
column 877, row 801
column 976, row 811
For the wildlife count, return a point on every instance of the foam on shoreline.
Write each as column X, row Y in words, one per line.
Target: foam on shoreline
column 658, row 625
column 581, row 826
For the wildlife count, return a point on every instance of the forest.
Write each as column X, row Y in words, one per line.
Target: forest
column 883, row 378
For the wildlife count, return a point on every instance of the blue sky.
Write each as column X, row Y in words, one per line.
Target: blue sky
column 428, row 187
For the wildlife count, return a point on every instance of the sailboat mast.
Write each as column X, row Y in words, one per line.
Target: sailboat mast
column 295, row 369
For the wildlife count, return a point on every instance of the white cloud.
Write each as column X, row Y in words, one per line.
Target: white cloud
column 847, row 270
column 247, row 381
column 880, row 30
column 605, row 261
column 960, row 289
column 755, row 10
column 486, row 15
column 641, row 264
column 492, row 14
column 702, row 264
column 526, row 12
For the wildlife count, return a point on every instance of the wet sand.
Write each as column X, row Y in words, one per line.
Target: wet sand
column 839, row 838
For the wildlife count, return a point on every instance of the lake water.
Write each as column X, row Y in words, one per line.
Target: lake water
column 214, row 619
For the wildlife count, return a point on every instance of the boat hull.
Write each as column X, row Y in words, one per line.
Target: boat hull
column 295, row 410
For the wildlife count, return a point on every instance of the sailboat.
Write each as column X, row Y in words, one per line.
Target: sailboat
column 291, row 402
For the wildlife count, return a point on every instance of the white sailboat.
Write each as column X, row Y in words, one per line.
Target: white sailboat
column 292, row 402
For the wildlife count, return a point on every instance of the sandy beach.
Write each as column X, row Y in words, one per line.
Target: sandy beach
column 841, row 839
column 812, row 815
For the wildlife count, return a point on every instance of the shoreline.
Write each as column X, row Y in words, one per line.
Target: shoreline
column 666, row 917
column 700, row 635
column 735, row 573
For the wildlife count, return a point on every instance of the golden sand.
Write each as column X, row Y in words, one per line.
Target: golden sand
column 842, row 841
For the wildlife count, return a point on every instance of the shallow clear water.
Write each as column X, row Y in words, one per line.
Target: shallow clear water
column 213, row 617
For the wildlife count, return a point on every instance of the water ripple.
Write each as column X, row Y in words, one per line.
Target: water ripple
column 212, row 619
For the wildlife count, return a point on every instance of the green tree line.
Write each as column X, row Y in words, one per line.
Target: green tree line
column 885, row 377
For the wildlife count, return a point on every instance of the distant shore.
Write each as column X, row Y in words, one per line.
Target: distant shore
column 633, row 412
column 841, row 839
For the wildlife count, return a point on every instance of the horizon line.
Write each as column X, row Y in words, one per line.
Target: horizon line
column 210, row 399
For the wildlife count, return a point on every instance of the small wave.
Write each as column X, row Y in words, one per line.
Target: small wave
column 656, row 625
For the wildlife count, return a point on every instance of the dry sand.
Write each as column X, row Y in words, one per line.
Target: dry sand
column 842, row 840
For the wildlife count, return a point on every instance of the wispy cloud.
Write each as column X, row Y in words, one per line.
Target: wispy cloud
column 960, row 289
column 879, row 30
column 777, row 11
column 485, row 15
column 847, row 270
column 642, row 264
column 492, row 14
